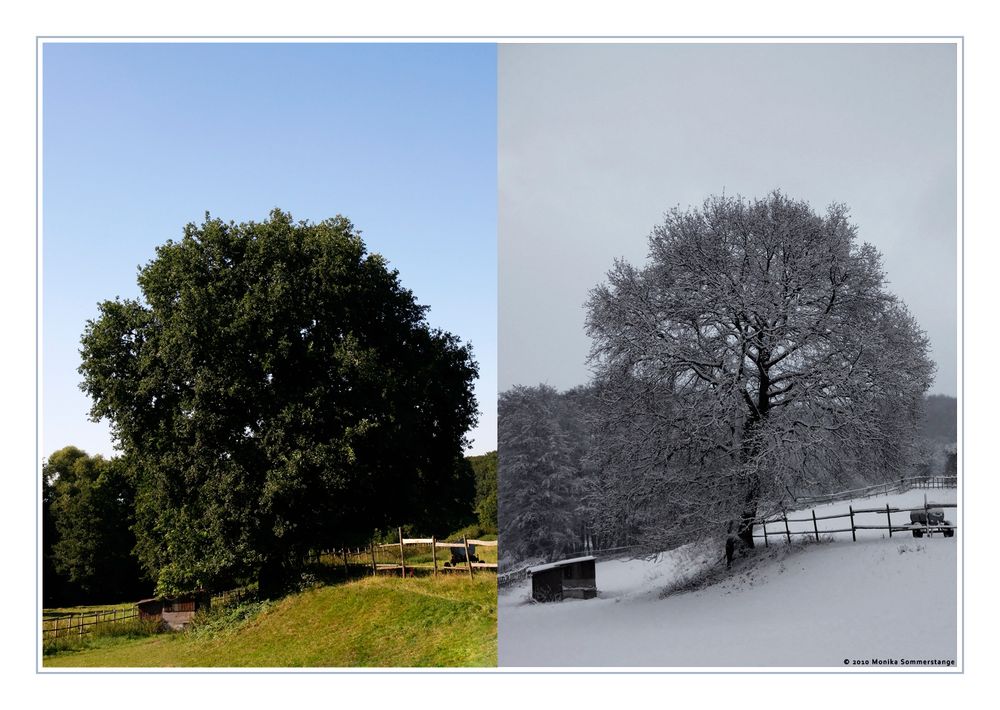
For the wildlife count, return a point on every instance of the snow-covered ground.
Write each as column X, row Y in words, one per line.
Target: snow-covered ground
column 800, row 605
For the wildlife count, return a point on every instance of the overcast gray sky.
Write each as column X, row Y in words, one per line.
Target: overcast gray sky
column 597, row 142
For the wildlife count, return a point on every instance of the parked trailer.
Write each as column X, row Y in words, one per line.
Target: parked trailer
column 930, row 520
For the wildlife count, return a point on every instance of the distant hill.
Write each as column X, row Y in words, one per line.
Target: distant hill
column 941, row 423
column 939, row 435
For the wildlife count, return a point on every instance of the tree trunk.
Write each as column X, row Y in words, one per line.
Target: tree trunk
column 745, row 529
column 272, row 578
column 758, row 415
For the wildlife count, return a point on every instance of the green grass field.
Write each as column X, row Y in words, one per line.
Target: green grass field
column 372, row 622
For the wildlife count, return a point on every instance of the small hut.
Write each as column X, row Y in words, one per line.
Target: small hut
column 175, row 612
column 575, row 578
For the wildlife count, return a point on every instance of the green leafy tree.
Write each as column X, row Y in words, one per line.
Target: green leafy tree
column 280, row 391
column 88, row 541
column 485, row 468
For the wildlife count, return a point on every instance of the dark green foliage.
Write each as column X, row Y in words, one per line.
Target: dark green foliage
column 281, row 392
column 228, row 617
column 453, row 501
column 88, row 506
column 485, row 468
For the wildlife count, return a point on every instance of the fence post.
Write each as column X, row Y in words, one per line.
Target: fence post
column 468, row 559
column 854, row 536
column 402, row 555
column 434, row 554
column 763, row 525
column 347, row 570
column 815, row 527
column 788, row 534
column 371, row 546
column 888, row 518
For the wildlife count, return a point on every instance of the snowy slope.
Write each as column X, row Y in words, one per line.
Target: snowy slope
column 799, row 605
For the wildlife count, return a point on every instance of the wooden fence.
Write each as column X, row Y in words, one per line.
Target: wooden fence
column 785, row 532
column 80, row 624
column 507, row 579
column 392, row 557
column 231, row 596
column 900, row 486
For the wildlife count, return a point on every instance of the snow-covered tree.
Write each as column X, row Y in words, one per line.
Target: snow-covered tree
column 758, row 352
column 543, row 440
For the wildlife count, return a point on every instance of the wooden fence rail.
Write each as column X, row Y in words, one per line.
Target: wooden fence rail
column 80, row 624
column 415, row 563
column 900, row 486
column 512, row 577
column 84, row 623
column 815, row 532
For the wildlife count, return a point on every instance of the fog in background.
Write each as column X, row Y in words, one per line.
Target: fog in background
column 597, row 142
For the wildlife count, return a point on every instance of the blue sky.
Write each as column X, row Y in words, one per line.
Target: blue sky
column 140, row 139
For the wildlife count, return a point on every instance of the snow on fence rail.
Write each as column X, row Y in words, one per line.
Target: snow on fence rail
column 786, row 532
column 900, row 486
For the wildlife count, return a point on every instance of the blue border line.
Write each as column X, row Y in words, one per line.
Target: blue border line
column 962, row 316
column 500, row 39
column 38, row 371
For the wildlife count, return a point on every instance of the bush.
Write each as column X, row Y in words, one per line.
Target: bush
column 60, row 644
column 308, row 580
column 473, row 532
column 227, row 618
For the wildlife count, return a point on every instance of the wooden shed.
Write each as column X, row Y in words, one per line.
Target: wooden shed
column 175, row 612
column 575, row 578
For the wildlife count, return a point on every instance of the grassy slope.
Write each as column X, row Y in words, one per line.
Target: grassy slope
column 382, row 622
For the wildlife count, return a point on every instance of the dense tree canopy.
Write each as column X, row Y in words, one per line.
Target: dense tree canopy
column 757, row 352
column 485, row 468
column 543, row 445
column 278, row 391
column 87, row 540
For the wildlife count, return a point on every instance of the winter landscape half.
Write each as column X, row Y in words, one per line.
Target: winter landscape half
column 879, row 601
column 728, row 417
